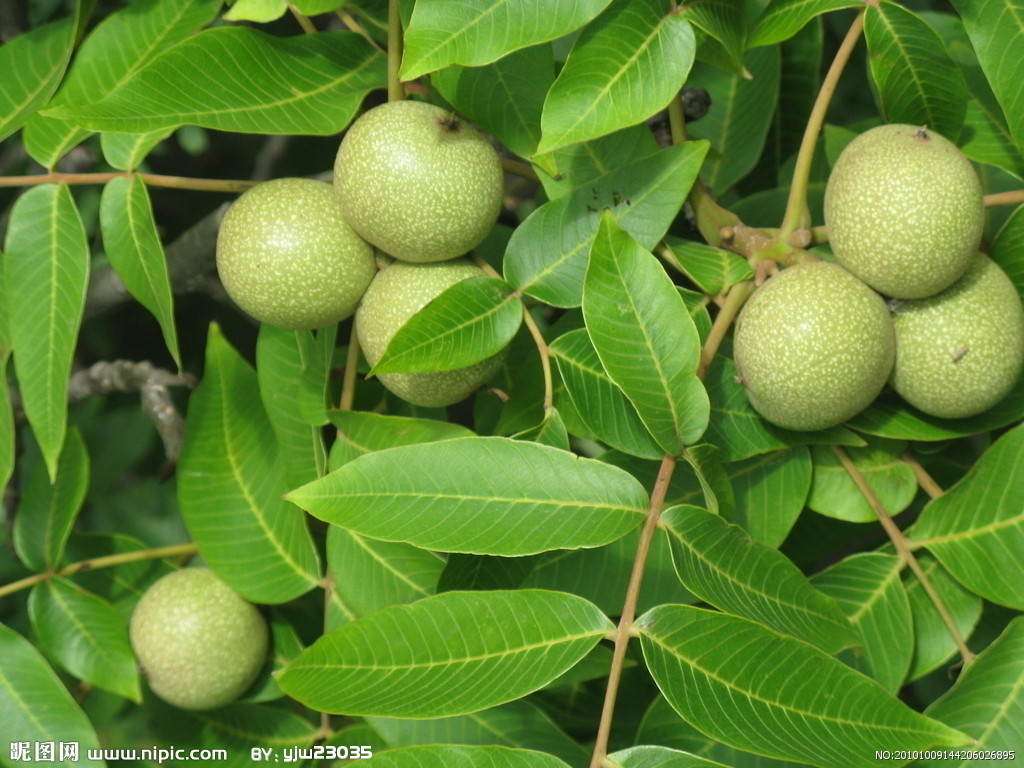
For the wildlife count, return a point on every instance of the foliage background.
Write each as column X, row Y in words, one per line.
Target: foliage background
column 748, row 633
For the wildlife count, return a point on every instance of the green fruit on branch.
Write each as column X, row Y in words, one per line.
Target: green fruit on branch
column 418, row 182
column 288, row 258
column 813, row 346
column 199, row 644
column 396, row 294
column 904, row 211
column 960, row 352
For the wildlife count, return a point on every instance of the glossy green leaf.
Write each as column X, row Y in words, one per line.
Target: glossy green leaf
column 86, row 635
column 868, row 589
column 483, row 495
column 260, row 11
column 604, row 408
column 579, row 165
column 738, row 121
column 47, row 511
column 441, row 33
column 933, row 645
column 784, row 18
column 658, row 757
column 724, row 25
column 361, row 433
column 723, row 566
column 645, row 337
column 34, row 63
column 624, row 67
column 472, row 650
column 518, row 724
column 370, row 574
column 802, row 58
column 284, row 361
column 506, row 97
column 35, row 707
column 7, row 448
column 465, row 757
column 601, row 575
column 547, row 255
column 482, row 572
column 127, row 150
column 774, row 695
column 662, row 725
column 740, row 432
column 915, row 80
column 320, row 81
column 995, row 28
column 134, row 250
column 890, row 417
column 770, row 491
column 120, row 585
column 551, row 431
column 119, row 45
column 833, row 492
column 989, row 140
column 238, row 728
column 230, row 479
column 316, row 7
column 469, row 322
column 711, row 476
column 977, row 528
column 712, row 269
column 47, row 270
column 987, row 700
column 1008, row 249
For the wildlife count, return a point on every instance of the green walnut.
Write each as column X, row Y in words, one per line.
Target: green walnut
column 397, row 293
column 813, row 346
column 960, row 352
column 288, row 258
column 418, row 182
column 199, row 644
column 904, row 211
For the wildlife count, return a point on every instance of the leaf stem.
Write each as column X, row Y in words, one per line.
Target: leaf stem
column 348, row 386
column 396, row 91
column 734, row 301
column 519, row 169
column 668, row 465
column 545, row 359
column 797, row 215
column 538, row 339
column 353, row 25
column 1013, row 197
column 710, row 217
column 924, row 480
column 152, row 179
column 303, row 20
column 902, row 545
column 106, row 561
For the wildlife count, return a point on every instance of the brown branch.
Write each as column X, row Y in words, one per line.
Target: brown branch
column 737, row 296
column 1014, row 197
column 625, row 627
column 924, row 480
column 152, row 179
column 152, row 385
column 796, row 207
column 106, row 561
column 902, row 545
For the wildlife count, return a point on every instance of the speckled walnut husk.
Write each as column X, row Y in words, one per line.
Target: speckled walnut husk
column 418, row 182
column 904, row 211
column 199, row 643
column 813, row 346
